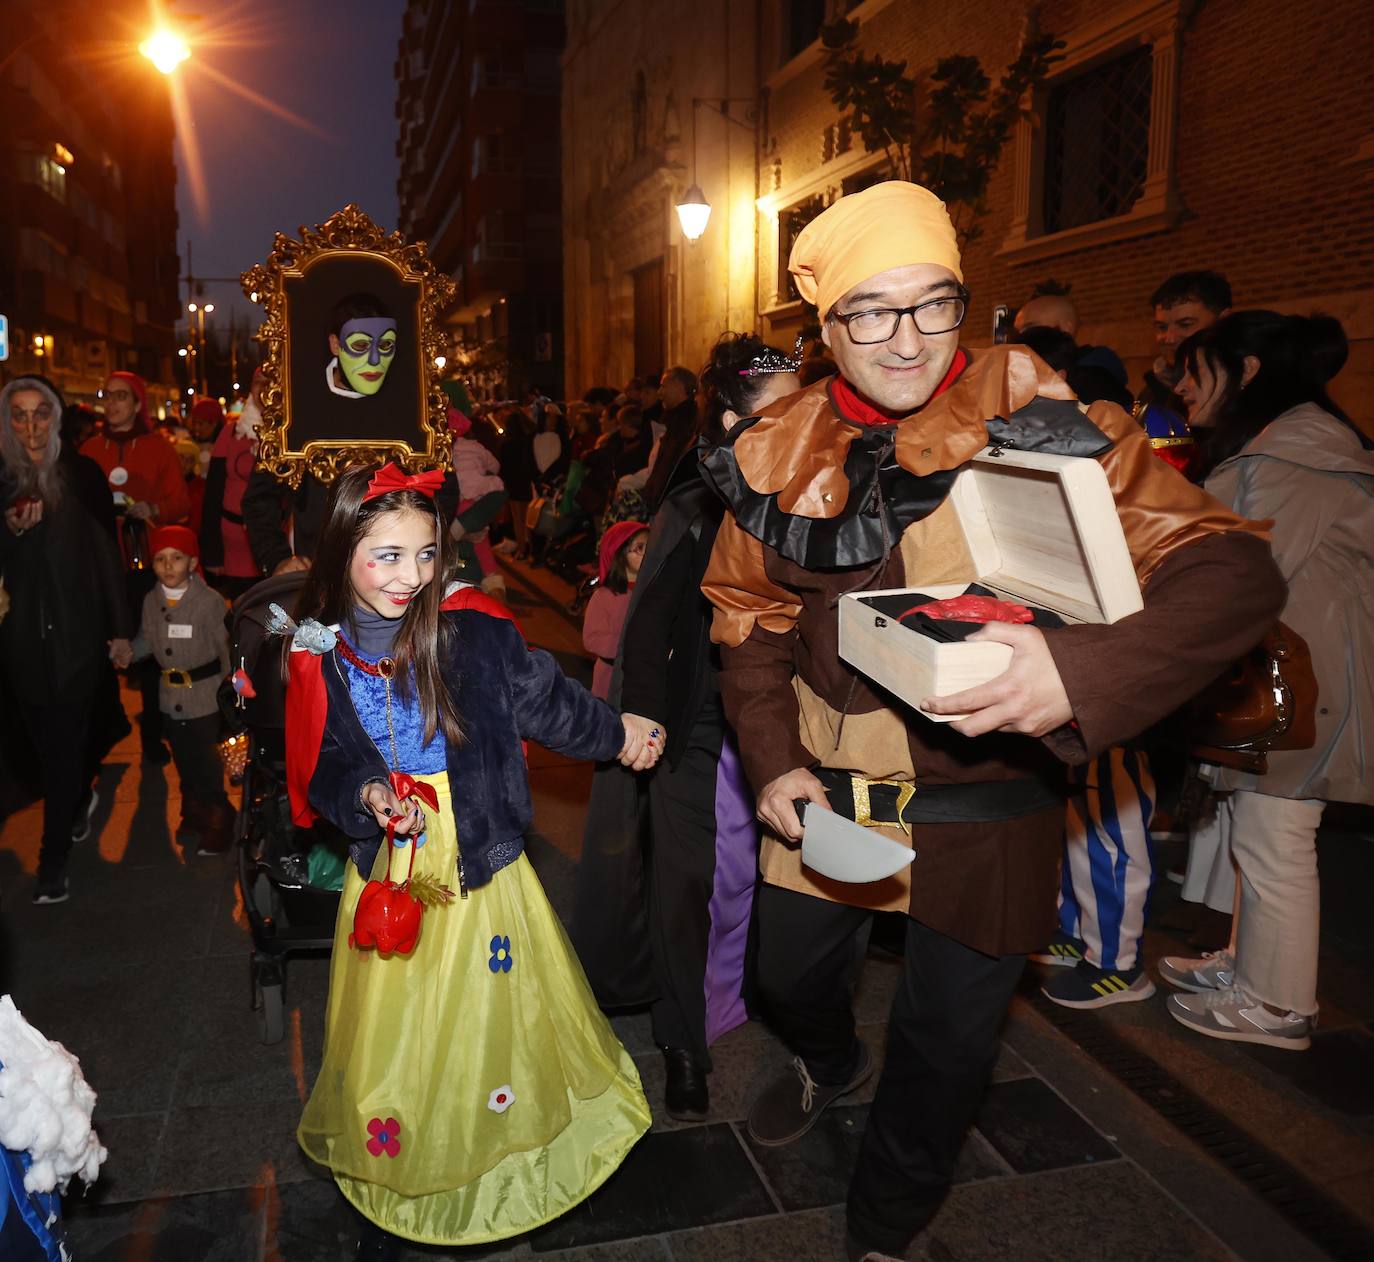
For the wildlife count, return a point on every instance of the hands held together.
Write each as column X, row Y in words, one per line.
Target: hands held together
column 644, row 742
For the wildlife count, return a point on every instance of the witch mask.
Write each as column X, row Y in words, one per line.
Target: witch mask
column 366, row 347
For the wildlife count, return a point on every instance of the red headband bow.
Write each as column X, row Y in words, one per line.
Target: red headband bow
column 390, row 477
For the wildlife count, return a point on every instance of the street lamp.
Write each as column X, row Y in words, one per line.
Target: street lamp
column 165, row 49
column 693, row 211
column 197, row 358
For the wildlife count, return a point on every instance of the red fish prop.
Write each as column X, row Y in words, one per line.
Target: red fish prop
column 972, row 609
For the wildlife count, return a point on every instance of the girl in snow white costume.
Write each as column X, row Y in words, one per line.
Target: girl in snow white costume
column 470, row 1089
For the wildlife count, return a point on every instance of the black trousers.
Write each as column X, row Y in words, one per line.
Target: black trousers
column 941, row 1047
column 682, row 872
column 198, row 765
column 58, row 731
column 146, row 674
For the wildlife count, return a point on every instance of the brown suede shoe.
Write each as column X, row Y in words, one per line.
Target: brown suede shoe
column 216, row 830
column 793, row 1102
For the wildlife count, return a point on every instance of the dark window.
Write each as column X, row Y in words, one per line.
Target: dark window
column 648, row 300
column 864, row 179
column 1097, row 142
column 790, row 223
column 804, row 19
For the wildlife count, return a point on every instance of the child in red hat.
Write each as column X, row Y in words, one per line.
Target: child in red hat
column 183, row 631
column 622, row 550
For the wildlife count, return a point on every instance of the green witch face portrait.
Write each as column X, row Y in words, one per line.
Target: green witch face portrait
column 362, row 339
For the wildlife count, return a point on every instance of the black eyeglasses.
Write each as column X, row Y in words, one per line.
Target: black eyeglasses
column 879, row 324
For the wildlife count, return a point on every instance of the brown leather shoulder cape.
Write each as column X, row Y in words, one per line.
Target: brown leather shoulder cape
column 829, row 494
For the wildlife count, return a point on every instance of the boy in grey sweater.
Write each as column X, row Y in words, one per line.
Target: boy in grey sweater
column 183, row 631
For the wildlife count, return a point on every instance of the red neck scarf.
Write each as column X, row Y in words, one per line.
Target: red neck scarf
column 852, row 407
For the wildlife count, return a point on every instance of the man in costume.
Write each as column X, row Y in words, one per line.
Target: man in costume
column 148, row 489
column 843, row 487
column 362, row 339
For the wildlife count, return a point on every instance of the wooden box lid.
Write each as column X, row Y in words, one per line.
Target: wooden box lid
column 1043, row 529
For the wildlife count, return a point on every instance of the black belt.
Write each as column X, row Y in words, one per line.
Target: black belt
column 889, row 802
column 175, row 677
column 236, row 518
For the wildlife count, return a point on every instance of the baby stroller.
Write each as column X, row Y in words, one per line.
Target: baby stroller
column 289, row 877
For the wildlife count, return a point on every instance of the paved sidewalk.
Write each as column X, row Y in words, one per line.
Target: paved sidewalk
column 144, row 975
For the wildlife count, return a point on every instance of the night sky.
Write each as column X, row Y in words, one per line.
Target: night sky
column 328, row 63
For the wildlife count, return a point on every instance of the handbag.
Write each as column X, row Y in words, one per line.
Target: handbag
column 534, row 511
column 1267, row 701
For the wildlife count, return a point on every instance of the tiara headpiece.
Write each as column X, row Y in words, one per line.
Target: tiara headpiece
column 773, row 361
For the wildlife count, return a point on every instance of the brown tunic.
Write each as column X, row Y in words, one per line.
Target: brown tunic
column 1210, row 590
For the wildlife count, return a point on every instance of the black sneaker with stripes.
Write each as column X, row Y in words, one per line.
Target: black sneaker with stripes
column 1090, row 987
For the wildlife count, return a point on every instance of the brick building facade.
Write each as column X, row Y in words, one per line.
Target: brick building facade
column 88, row 219
column 1240, row 137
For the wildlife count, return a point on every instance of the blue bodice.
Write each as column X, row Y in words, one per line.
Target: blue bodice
column 369, row 700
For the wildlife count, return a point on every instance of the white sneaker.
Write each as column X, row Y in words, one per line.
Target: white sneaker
column 1233, row 1014
column 82, row 828
column 1216, row 970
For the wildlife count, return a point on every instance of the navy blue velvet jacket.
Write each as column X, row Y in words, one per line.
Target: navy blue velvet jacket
column 505, row 693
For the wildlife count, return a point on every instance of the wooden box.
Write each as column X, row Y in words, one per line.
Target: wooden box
column 1043, row 531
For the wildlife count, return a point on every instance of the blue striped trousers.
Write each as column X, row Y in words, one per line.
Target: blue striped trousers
column 1108, row 861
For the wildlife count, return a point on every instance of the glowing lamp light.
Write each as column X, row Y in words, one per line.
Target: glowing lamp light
column 182, row 352
column 191, row 307
column 253, row 297
column 165, row 49
column 693, row 211
column 209, row 307
column 440, row 361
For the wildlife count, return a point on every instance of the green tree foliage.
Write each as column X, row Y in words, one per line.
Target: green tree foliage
column 950, row 142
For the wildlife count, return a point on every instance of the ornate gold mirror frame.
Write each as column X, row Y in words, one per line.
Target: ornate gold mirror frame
column 299, row 433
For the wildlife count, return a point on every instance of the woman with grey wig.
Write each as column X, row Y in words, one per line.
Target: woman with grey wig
column 67, row 612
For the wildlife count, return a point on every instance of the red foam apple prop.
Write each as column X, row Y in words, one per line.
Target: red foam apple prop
column 387, row 918
column 389, row 913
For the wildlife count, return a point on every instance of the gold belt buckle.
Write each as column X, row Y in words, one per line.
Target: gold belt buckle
column 176, row 678
column 863, row 808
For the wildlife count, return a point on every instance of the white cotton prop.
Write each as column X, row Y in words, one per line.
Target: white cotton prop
column 45, row 1106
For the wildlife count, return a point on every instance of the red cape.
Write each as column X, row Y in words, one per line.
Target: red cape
column 307, row 706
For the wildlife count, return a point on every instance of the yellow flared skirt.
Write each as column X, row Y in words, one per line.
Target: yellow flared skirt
column 472, row 1090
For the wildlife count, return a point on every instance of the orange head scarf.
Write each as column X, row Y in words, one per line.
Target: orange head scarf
column 893, row 224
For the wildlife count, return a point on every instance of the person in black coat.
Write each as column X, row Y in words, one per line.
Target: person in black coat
column 68, row 614
column 662, row 914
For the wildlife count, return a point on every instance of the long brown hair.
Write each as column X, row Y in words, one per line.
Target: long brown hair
column 424, row 638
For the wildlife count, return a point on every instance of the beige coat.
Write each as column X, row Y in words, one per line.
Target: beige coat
column 1308, row 472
